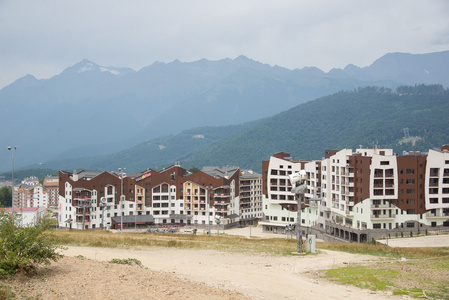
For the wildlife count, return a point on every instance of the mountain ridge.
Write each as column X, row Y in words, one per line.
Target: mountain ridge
column 111, row 108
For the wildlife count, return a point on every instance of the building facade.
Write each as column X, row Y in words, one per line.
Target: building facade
column 172, row 196
column 357, row 196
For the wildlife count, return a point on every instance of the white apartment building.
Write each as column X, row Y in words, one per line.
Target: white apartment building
column 356, row 193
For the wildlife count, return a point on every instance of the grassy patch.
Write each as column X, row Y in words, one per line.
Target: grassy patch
column 419, row 277
column 126, row 261
column 6, row 293
column 363, row 277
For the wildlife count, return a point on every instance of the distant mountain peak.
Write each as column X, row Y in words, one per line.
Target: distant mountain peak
column 89, row 66
column 86, row 66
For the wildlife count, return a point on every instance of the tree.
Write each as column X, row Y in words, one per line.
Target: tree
column 193, row 170
column 5, row 196
column 22, row 249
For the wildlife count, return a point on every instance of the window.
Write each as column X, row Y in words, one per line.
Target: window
column 410, row 201
column 410, row 171
column 433, row 200
column 410, row 181
column 377, row 226
column 384, row 163
column 410, row 191
column 410, row 225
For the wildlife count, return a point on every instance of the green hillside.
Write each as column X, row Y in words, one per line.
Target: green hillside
column 346, row 119
column 156, row 153
column 343, row 120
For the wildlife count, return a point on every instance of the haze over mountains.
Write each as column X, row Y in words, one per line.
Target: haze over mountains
column 89, row 109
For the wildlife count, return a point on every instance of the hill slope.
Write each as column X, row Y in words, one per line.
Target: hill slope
column 343, row 120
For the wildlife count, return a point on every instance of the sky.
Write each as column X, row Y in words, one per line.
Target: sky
column 44, row 37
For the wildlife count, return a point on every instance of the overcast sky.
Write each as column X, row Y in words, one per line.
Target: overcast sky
column 42, row 38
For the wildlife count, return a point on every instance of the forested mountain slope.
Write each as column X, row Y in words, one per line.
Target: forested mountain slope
column 347, row 119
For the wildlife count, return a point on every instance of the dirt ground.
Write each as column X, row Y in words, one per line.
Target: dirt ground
column 170, row 273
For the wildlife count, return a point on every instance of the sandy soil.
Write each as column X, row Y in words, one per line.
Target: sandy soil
column 254, row 276
column 190, row 274
column 171, row 273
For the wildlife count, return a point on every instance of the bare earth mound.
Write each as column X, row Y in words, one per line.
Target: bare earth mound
column 76, row 278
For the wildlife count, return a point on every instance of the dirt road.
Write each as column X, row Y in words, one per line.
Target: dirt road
column 254, row 276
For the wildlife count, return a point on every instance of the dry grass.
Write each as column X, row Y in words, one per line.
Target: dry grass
column 145, row 239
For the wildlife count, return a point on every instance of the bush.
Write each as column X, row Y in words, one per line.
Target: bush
column 22, row 249
column 411, row 233
column 127, row 261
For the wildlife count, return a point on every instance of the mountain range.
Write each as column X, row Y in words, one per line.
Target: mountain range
column 92, row 110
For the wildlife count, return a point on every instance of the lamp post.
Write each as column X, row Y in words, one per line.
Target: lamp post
column 121, row 198
column 12, row 149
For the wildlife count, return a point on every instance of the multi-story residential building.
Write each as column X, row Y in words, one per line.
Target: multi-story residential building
column 363, row 194
column 250, row 196
column 278, row 202
column 30, row 194
column 51, row 187
column 172, row 196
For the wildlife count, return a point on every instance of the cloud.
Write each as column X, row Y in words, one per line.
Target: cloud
column 42, row 37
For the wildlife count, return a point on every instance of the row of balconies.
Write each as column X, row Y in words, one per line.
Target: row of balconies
column 382, row 206
column 383, row 216
column 438, row 214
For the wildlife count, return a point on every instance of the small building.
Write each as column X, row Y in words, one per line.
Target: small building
column 28, row 216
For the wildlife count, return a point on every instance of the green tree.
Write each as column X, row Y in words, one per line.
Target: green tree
column 22, row 249
column 5, row 196
column 193, row 170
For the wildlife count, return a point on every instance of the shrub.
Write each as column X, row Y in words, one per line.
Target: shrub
column 127, row 261
column 411, row 233
column 402, row 234
column 22, row 249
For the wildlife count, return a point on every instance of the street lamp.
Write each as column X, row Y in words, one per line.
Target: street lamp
column 121, row 198
column 298, row 180
column 12, row 149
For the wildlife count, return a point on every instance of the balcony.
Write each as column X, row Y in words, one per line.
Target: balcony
column 437, row 214
column 382, row 206
column 383, row 216
column 433, row 174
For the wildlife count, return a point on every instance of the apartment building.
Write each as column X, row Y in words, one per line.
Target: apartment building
column 250, row 197
column 30, row 193
column 279, row 204
column 355, row 196
column 172, row 196
column 51, row 187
